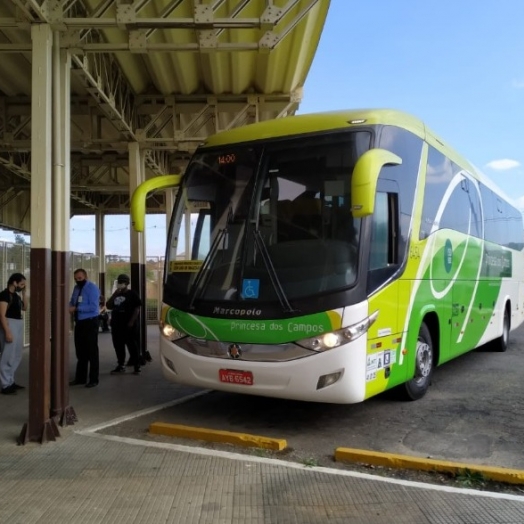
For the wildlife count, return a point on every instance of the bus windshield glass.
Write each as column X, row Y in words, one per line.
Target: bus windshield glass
column 270, row 221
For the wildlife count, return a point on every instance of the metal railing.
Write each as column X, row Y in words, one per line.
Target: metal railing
column 15, row 258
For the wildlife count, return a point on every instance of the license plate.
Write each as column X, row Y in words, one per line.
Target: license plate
column 232, row 376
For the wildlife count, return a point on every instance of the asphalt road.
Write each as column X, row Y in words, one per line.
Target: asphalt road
column 473, row 412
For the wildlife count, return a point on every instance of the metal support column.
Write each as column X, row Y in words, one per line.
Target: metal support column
column 40, row 426
column 138, row 241
column 60, row 408
column 100, row 250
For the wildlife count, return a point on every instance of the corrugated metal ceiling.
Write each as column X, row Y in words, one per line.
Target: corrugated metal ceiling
column 163, row 73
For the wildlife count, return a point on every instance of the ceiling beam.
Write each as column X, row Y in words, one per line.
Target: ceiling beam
column 82, row 32
column 175, row 123
column 74, row 187
column 23, row 172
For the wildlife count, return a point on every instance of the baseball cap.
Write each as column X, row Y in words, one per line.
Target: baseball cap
column 123, row 279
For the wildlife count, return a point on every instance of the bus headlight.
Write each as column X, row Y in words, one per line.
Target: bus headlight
column 172, row 333
column 336, row 338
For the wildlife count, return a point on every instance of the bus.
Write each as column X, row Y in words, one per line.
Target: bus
column 330, row 257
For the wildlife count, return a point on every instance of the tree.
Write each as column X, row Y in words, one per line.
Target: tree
column 20, row 239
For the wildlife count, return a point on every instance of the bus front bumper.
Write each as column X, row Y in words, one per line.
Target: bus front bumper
column 306, row 379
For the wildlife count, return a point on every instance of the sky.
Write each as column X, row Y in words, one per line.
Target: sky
column 456, row 64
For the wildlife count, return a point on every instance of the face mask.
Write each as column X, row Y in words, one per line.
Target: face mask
column 121, row 286
column 81, row 283
column 18, row 289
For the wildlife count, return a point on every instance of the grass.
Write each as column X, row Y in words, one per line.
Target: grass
column 261, row 452
column 471, row 479
column 310, row 462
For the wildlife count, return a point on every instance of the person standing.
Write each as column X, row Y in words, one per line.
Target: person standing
column 125, row 305
column 84, row 306
column 12, row 303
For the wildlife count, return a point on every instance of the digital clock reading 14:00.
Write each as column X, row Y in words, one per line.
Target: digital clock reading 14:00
column 227, row 159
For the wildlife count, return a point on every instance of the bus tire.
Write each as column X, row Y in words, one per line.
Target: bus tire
column 417, row 387
column 501, row 344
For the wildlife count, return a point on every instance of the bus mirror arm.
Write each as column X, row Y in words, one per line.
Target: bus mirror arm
column 138, row 200
column 365, row 178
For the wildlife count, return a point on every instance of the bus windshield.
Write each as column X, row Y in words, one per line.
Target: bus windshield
column 266, row 222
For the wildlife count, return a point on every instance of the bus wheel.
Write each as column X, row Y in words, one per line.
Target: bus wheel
column 416, row 387
column 501, row 344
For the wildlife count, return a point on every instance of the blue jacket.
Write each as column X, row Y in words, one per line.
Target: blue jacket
column 88, row 307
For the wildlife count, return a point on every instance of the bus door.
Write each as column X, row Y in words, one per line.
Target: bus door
column 464, row 314
column 459, row 226
column 383, row 289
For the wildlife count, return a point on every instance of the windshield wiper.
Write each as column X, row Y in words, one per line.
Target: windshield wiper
column 277, row 286
column 206, row 265
column 210, row 258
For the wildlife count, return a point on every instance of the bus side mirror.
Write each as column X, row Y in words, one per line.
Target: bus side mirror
column 365, row 177
column 138, row 200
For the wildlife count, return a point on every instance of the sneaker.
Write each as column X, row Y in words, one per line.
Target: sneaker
column 137, row 371
column 18, row 386
column 118, row 370
column 148, row 356
column 9, row 390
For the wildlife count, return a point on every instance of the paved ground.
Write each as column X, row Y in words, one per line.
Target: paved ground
column 88, row 475
column 469, row 415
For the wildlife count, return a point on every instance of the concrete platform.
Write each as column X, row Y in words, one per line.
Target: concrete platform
column 89, row 476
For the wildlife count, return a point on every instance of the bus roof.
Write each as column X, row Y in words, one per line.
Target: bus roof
column 327, row 121
column 313, row 122
column 345, row 119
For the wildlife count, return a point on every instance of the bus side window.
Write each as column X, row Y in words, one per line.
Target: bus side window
column 383, row 249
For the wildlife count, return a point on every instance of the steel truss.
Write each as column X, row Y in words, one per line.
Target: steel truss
column 168, row 128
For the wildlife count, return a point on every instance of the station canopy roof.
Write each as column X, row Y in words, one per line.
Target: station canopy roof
column 163, row 73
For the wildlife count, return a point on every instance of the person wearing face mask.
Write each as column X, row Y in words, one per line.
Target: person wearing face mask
column 12, row 303
column 84, row 306
column 125, row 308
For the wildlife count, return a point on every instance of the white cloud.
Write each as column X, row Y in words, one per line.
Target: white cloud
column 503, row 164
column 518, row 84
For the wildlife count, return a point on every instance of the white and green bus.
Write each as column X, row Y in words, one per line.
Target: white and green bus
column 330, row 257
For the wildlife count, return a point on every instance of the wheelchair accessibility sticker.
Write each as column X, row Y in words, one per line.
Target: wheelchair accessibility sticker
column 250, row 288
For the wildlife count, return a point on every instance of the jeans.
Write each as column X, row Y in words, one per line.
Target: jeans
column 11, row 352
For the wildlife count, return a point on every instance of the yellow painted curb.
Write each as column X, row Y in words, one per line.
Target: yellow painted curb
column 389, row 460
column 213, row 435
